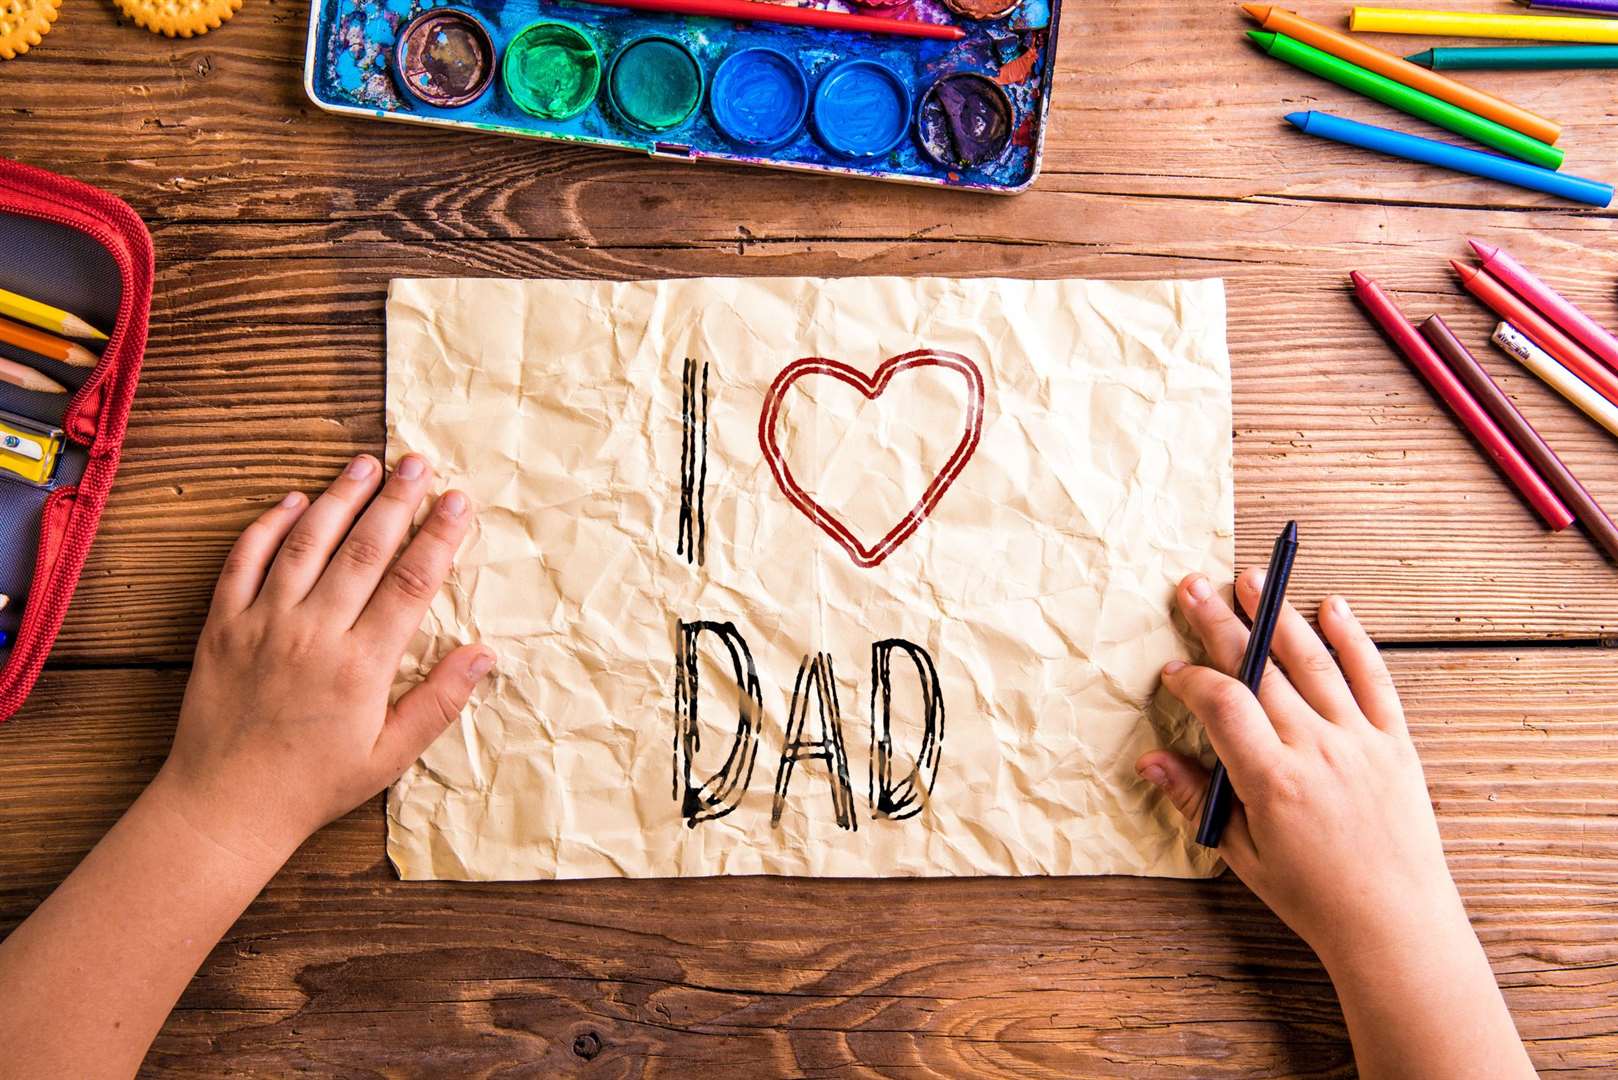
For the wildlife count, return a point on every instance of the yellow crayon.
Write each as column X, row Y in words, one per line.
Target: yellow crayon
column 1481, row 25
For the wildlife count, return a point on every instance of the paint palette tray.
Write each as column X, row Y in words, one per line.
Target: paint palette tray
column 966, row 114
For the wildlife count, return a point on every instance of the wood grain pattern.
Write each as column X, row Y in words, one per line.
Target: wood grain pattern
column 277, row 227
column 343, row 971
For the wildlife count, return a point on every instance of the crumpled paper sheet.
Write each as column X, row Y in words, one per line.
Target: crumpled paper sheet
column 1039, row 586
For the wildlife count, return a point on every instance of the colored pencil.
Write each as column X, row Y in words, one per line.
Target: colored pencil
column 1383, row 63
column 1471, row 24
column 1552, row 469
column 1221, row 797
column 1517, row 58
column 1421, row 105
column 1552, row 304
column 1540, row 330
column 1586, row 7
column 1515, row 343
column 1449, row 156
column 758, row 11
column 54, row 319
column 47, row 345
column 1386, row 315
column 26, row 377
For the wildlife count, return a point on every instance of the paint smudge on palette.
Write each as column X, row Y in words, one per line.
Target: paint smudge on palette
column 966, row 113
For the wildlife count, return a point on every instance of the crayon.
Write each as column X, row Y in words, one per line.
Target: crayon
column 26, row 377
column 1584, row 7
column 47, row 345
column 1515, row 343
column 1517, row 58
column 1386, row 315
column 1471, row 24
column 1383, row 63
column 1420, row 105
column 1552, row 304
column 1221, row 793
column 1540, row 330
column 1516, row 426
column 54, row 319
column 1449, row 156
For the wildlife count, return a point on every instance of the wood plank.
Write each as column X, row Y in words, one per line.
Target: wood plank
column 1397, row 508
column 341, row 970
column 1155, row 97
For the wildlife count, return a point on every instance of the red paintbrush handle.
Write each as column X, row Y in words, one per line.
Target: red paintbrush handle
column 1435, row 374
column 755, row 11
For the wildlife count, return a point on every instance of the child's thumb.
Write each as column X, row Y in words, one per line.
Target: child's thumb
column 425, row 710
column 1184, row 781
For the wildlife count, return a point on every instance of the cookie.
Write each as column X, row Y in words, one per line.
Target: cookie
column 178, row 18
column 23, row 23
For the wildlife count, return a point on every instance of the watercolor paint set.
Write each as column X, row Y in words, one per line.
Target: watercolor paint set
column 957, row 95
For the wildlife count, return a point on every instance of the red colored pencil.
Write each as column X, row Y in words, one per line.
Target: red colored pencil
column 1443, row 382
column 757, row 11
column 1540, row 330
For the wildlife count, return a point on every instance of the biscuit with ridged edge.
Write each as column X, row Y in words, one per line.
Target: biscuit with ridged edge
column 23, row 23
column 179, row 18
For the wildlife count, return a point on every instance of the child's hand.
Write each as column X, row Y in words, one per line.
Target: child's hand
column 286, row 722
column 1335, row 832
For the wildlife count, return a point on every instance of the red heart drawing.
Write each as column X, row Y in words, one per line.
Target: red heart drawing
column 872, row 387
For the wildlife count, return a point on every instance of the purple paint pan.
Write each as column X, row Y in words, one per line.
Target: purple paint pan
column 444, row 57
column 965, row 120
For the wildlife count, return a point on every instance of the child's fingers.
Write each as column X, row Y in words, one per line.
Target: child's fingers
column 396, row 608
column 308, row 547
column 425, row 710
column 348, row 583
column 1185, row 783
column 1367, row 674
column 1241, row 733
column 242, row 576
column 1309, row 667
column 1225, row 638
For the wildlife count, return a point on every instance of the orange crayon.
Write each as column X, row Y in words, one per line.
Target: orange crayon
column 1400, row 70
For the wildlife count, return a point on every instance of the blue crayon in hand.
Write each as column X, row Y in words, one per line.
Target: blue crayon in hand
column 1449, row 156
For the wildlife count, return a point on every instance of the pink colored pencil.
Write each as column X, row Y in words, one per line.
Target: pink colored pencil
column 1556, row 307
column 1443, row 382
column 759, row 11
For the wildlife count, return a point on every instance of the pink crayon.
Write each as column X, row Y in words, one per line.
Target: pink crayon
column 1556, row 307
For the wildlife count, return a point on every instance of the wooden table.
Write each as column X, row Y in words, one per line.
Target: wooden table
column 277, row 227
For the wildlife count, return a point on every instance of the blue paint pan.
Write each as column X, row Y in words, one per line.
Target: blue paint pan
column 862, row 109
column 759, row 98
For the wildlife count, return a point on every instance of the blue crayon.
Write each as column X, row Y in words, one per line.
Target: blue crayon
column 1449, row 156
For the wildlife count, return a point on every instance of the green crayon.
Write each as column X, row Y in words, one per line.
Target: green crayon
column 1401, row 97
column 1518, row 58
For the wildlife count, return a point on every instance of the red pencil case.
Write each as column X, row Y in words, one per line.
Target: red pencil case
column 82, row 250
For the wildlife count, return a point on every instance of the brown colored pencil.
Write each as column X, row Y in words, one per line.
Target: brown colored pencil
column 26, row 377
column 1488, row 394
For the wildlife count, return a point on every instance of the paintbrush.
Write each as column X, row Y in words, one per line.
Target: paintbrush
column 756, row 11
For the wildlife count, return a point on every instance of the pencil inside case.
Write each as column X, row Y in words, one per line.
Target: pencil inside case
column 66, row 268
